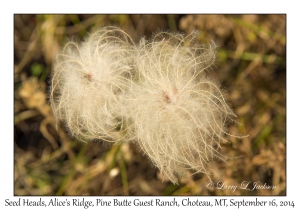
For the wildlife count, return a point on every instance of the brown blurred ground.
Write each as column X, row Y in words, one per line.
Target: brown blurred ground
column 251, row 68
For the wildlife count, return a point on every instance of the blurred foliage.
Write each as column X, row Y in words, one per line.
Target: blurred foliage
column 251, row 67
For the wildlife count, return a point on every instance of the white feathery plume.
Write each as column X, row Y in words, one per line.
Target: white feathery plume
column 88, row 83
column 179, row 114
column 157, row 95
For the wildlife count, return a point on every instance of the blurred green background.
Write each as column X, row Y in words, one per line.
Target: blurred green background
column 251, row 68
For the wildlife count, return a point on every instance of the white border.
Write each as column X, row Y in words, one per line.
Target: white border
column 181, row 7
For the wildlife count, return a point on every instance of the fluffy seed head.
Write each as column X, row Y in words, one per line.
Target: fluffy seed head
column 89, row 81
column 157, row 93
column 179, row 114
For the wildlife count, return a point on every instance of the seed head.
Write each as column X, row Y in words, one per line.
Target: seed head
column 179, row 114
column 89, row 80
column 156, row 94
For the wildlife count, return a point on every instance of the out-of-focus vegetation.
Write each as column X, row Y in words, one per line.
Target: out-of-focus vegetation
column 251, row 68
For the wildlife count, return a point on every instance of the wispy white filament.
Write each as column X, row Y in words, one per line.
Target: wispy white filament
column 179, row 114
column 156, row 94
column 88, row 83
